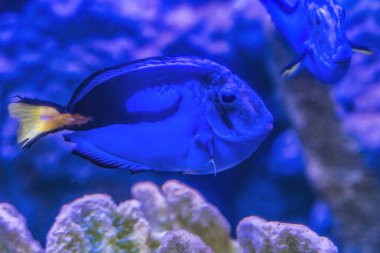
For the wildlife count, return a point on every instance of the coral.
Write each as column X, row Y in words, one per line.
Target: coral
column 14, row 235
column 95, row 223
column 188, row 210
column 153, row 205
column 257, row 235
column 183, row 241
column 174, row 219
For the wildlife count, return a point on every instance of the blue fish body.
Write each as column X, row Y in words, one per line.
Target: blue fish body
column 182, row 114
column 315, row 30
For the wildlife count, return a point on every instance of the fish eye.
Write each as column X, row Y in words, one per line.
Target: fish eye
column 227, row 97
column 317, row 20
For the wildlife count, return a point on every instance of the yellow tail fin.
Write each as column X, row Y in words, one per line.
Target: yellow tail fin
column 38, row 120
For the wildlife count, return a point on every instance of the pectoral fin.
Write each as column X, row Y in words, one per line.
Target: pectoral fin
column 292, row 68
column 204, row 140
column 288, row 6
column 360, row 49
column 97, row 156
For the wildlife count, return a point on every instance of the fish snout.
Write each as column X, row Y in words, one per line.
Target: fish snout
column 262, row 118
column 343, row 57
column 342, row 61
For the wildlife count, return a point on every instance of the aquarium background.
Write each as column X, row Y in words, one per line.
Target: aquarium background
column 48, row 47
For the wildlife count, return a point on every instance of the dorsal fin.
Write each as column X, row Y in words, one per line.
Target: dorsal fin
column 100, row 76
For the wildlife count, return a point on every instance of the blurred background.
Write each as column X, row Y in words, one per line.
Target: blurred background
column 48, row 47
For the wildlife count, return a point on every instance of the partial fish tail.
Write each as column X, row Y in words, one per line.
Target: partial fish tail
column 38, row 118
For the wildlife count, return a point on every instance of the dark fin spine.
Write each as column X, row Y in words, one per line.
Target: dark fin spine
column 290, row 70
column 38, row 118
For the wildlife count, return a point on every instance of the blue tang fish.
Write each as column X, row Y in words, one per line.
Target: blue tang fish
column 181, row 114
column 315, row 30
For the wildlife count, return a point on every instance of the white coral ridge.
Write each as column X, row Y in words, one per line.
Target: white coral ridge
column 183, row 241
column 94, row 223
column 14, row 235
column 258, row 235
column 174, row 219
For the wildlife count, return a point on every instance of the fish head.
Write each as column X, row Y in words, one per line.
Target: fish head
column 329, row 47
column 236, row 113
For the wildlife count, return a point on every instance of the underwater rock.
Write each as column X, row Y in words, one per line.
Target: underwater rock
column 257, row 235
column 14, row 234
column 94, row 223
column 184, row 242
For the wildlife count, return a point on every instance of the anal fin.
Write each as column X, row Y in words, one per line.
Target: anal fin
column 100, row 157
column 292, row 68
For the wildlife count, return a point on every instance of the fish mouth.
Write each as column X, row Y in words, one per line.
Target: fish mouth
column 341, row 58
column 343, row 61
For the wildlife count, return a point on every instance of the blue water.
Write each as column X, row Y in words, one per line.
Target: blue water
column 48, row 47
